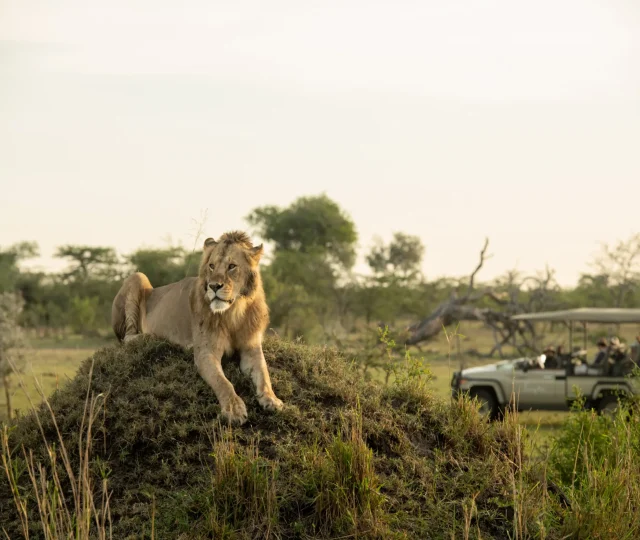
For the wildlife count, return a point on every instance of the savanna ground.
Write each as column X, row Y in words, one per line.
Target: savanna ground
column 52, row 361
column 347, row 458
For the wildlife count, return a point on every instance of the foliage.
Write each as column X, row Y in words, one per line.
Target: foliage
column 243, row 488
column 88, row 261
column 292, row 310
column 399, row 261
column 9, row 260
column 594, row 458
column 617, row 277
column 164, row 266
column 11, row 341
column 311, row 288
column 314, row 248
column 83, row 513
column 83, row 313
column 11, row 337
column 311, row 225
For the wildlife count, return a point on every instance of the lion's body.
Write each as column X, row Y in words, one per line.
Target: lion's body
column 169, row 312
column 164, row 311
column 222, row 310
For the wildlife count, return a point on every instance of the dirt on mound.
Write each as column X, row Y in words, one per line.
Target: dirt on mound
column 344, row 458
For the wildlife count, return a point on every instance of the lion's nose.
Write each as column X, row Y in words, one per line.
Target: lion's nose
column 215, row 287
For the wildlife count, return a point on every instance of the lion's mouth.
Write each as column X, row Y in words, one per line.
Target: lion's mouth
column 223, row 300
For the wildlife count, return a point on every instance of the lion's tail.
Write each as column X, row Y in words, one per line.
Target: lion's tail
column 128, row 311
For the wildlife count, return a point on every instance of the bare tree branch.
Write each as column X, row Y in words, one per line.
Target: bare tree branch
column 507, row 302
column 483, row 256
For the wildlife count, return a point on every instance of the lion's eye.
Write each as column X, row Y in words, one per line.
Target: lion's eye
column 232, row 266
column 211, row 266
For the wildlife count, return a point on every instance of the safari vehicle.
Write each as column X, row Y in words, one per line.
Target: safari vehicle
column 534, row 388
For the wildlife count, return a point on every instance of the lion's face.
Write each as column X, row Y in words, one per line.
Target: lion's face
column 228, row 272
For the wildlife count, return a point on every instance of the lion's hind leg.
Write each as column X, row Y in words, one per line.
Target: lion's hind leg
column 128, row 311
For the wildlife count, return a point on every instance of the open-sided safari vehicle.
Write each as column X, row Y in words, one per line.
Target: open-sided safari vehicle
column 529, row 384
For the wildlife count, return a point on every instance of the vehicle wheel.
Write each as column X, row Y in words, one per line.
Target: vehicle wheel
column 487, row 401
column 608, row 405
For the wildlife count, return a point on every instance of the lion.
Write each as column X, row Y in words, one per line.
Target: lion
column 221, row 311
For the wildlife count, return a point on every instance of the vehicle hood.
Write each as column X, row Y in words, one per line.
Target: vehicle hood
column 480, row 369
column 488, row 368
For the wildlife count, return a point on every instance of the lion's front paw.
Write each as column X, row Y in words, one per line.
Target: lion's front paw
column 235, row 411
column 270, row 402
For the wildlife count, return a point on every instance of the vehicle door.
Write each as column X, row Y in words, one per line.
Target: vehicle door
column 540, row 388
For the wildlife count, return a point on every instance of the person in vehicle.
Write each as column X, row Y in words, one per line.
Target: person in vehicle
column 603, row 354
column 542, row 360
column 621, row 360
column 552, row 360
column 618, row 350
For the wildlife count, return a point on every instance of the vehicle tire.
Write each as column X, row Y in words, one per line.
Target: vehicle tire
column 608, row 405
column 487, row 401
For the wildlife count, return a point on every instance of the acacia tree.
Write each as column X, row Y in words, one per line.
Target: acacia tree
column 11, row 341
column 89, row 285
column 88, row 262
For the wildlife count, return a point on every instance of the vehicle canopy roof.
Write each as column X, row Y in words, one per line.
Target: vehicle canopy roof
column 594, row 315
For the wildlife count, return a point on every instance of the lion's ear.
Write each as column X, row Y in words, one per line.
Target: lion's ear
column 257, row 252
column 209, row 242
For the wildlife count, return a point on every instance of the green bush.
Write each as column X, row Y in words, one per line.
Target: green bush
column 595, row 459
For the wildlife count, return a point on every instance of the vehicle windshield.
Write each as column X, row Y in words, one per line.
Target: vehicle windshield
column 520, row 363
column 514, row 364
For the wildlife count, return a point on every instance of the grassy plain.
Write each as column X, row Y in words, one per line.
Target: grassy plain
column 352, row 457
column 51, row 362
column 48, row 363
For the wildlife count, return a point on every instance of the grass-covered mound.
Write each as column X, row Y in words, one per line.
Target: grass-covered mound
column 345, row 458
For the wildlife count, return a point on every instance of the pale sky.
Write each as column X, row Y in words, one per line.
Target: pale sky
column 122, row 122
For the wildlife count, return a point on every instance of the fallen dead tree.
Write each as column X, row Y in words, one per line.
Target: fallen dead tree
column 509, row 297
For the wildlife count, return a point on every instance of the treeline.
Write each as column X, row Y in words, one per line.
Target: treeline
column 309, row 279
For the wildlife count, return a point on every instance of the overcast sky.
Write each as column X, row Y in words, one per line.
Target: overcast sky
column 123, row 122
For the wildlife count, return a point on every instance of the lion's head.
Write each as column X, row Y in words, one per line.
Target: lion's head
column 229, row 270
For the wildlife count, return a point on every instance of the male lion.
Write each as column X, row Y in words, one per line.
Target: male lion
column 222, row 310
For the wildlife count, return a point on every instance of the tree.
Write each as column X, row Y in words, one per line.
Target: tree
column 83, row 313
column 9, row 261
column 617, row 271
column 291, row 308
column 399, row 261
column 11, row 341
column 161, row 266
column 88, row 262
column 593, row 290
column 312, row 225
column 314, row 246
column 494, row 306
